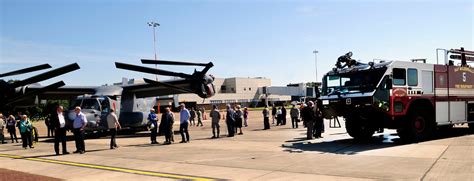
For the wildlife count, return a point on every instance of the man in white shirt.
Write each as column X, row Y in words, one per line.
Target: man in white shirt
column 58, row 123
column 113, row 124
column 80, row 122
column 184, row 122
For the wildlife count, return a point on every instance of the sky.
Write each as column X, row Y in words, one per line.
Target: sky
column 246, row 38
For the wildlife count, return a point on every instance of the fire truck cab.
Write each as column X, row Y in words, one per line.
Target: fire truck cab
column 413, row 97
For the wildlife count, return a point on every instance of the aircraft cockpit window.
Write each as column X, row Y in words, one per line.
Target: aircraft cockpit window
column 90, row 104
column 104, row 105
column 399, row 76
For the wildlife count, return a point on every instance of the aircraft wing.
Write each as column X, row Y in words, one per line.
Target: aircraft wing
column 154, row 88
column 66, row 93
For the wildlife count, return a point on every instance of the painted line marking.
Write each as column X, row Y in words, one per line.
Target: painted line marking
column 110, row 168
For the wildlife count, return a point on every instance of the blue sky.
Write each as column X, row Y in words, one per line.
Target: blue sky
column 249, row 38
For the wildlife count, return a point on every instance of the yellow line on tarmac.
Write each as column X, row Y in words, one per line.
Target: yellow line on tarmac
column 109, row 168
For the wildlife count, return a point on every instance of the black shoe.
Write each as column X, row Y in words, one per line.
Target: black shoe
column 57, row 153
column 82, row 152
column 240, row 133
column 182, row 142
column 66, row 153
column 213, row 137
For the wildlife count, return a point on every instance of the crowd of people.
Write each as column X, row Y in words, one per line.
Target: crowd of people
column 235, row 118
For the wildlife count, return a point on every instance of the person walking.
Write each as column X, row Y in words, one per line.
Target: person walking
column 283, row 115
column 11, row 128
column 266, row 118
column 47, row 122
column 153, row 120
column 215, row 116
column 58, row 123
column 184, row 122
column 79, row 124
column 114, row 125
column 199, row 117
column 308, row 115
column 192, row 113
column 246, row 116
column 295, row 114
column 238, row 115
column 274, row 111
column 230, row 121
column 167, row 120
column 2, row 128
column 25, row 127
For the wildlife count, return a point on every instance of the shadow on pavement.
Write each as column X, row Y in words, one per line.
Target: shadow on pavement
column 351, row 146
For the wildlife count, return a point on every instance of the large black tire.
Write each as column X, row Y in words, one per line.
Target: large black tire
column 357, row 129
column 471, row 127
column 419, row 126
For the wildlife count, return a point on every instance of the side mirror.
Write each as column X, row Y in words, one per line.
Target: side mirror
column 388, row 84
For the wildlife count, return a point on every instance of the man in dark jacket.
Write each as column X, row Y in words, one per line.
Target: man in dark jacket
column 308, row 115
column 229, row 119
column 283, row 115
column 58, row 123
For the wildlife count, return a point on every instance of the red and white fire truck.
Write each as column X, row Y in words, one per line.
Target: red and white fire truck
column 413, row 97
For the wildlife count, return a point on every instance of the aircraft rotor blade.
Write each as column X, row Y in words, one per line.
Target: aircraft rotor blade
column 47, row 75
column 152, row 82
column 150, row 70
column 36, row 92
column 26, row 70
column 167, row 62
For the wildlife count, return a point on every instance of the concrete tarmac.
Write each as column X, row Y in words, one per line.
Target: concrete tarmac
column 280, row 153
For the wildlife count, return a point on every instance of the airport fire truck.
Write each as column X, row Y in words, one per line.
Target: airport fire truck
column 414, row 97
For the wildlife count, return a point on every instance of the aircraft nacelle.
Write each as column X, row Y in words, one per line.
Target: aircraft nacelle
column 206, row 89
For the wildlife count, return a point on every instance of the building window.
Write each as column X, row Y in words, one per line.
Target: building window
column 232, row 89
column 250, row 88
column 223, row 88
column 245, row 89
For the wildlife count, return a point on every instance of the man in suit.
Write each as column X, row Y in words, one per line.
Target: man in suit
column 58, row 123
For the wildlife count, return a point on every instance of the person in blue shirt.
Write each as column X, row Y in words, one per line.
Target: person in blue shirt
column 153, row 119
column 79, row 124
column 184, row 122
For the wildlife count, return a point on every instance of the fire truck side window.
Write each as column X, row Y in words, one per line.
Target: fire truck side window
column 412, row 77
column 399, row 76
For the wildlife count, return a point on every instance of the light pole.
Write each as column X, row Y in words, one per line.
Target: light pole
column 316, row 65
column 154, row 24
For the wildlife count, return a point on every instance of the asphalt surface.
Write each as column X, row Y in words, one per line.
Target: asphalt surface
column 280, row 153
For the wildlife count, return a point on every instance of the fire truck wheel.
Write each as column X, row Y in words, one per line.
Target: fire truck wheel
column 471, row 127
column 356, row 129
column 419, row 126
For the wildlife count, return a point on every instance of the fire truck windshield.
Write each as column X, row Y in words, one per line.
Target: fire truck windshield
column 352, row 82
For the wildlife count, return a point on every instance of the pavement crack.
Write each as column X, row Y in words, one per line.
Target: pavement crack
column 434, row 163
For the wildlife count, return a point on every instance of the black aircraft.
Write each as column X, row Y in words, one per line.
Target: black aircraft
column 130, row 102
